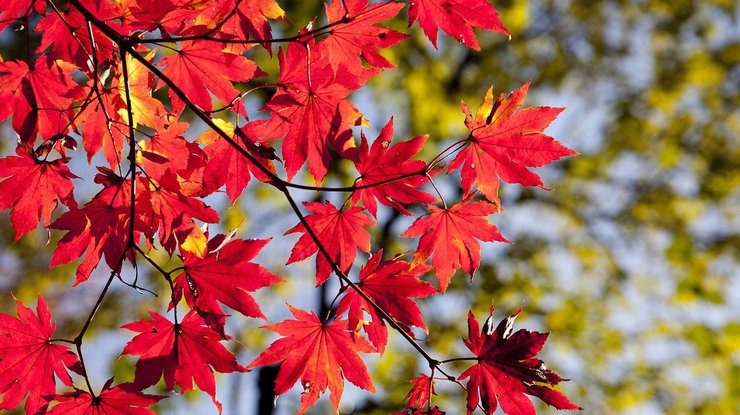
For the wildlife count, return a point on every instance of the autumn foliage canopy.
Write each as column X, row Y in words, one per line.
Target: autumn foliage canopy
column 125, row 79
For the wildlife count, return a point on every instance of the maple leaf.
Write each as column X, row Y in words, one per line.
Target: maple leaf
column 167, row 209
column 144, row 108
column 380, row 163
column 168, row 151
column 66, row 37
column 184, row 353
column 98, row 229
column 198, row 68
column 226, row 275
column 507, row 369
column 117, row 400
column 312, row 115
column 32, row 189
column 250, row 18
column 341, row 232
column 354, row 34
column 456, row 18
column 40, row 97
column 57, row 36
column 29, row 361
column 226, row 165
column 100, row 126
column 253, row 17
column 421, row 392
column 320, row 355
column 191, row 17
column 504, row 141
column 391, row 285
column 17, row 9
column 451, row 235
column 144, row 14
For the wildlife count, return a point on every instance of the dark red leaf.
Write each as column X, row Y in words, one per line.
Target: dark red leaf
column 507, row 369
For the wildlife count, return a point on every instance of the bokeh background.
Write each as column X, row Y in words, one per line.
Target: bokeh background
column 631, row 261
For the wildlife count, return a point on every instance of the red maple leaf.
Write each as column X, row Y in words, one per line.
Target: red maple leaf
column 168, row 151
column 226, row 275
column 451, row 235
column 199, row 67
column 253, row 19
column 32, row 189
column 391, row 285
column 166, row 208
column 40, row 97
column 320, row 355
column 250, row 18
column 66, row 37
column 187, row 17
column 341, row 232
column 183, row 353
column 421, row 392
column 354, row 34
column 29, row 360
column 380, row 163
column 226, row 165
column 507, row 369
column 312, row 115
column 456, row 18
column 16, row 9
column 102, row 126
column 117, row 400
column 99, row 228
column 144, row 107
column 504, row 141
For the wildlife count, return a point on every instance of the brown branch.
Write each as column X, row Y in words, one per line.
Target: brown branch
column 166, row 274
column 78, row 339
column 96, row 87
column 206, row 36
column 131, row 147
